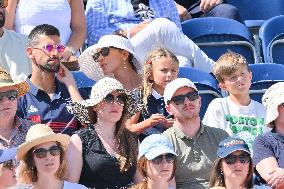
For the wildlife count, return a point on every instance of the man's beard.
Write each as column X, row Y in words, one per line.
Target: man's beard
column 50, row 68
column 2, row 20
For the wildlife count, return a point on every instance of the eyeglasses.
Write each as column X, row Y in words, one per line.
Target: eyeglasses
column 169, row 158
column 10, row 164
column 11, row 95
column 120, row 99
column 42, row 152
column 104, row 52
column 243, row 158
column 49, row 48
column 191, row 96
column 4, row 3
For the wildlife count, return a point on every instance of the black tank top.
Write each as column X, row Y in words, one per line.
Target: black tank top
column 100, row 169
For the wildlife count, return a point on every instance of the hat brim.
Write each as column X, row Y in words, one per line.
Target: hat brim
column 272, row 112
column 22, row 87
column 159, row 150
column 8, row 154
column 25, row 147
column 229, row 152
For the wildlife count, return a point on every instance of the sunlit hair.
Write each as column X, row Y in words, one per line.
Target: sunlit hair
column 28, row 170
column 228, row 64
column 142, row 168
column 127, row 140
column 217, row 176
column 154, row 55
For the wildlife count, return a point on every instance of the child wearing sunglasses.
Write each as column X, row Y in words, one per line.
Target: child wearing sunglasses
column 156, row 163
column 237, row 114
column 7, row 167
column 233, row 167
column 104, row 154
column 160, row 68
column 43, row 160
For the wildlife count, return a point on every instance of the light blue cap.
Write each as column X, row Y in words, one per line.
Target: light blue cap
column 7, row 154
column 155, row 145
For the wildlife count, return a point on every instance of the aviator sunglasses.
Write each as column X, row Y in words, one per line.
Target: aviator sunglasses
column 49, row 48
column 4, row 3
column 11, row 95
column 169, row 158
column 120, row 99
column 179, row 99
column 42, row 152
column 243, row 158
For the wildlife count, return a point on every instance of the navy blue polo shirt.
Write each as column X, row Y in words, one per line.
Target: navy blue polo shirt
column 56, row 112
column 155, row 104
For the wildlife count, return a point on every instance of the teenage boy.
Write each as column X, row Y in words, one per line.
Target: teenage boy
column 237, row 114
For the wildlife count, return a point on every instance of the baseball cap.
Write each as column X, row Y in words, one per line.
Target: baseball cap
column 174, row 85
column 230, row 145
column 155, row 145
column 7, row 154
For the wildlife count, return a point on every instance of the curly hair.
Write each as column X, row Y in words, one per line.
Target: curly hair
column 28, row 170
column 147, row 82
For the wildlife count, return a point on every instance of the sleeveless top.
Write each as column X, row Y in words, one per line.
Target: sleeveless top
column 30, row 13
column 100, row 169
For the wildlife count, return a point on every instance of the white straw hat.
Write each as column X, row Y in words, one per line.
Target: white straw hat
column 92, row 69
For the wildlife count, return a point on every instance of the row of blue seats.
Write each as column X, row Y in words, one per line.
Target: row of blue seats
column 217, row 35
column 264, row 75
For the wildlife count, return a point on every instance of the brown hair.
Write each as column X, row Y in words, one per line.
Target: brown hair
column 28, row 171
column 142, row 168
column 147, row 82
column 217, row 176
column 227, row 65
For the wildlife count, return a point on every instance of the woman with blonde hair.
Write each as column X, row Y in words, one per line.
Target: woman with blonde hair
column 156, row 163
column 43, row 161
column 7, row 167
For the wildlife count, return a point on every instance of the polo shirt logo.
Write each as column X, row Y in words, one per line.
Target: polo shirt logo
column 32, row 109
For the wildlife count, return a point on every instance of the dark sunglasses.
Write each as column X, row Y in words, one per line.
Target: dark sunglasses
column 191, row 96
column 104, row 52
column 11, row 95
column 243, row 158
column 42, row 152
column 10, row 164
column 49, row 48
column 4, row 3
column 169, row 158
column 120, row 99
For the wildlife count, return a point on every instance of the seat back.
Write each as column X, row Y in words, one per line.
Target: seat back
column 217, row 35
column 263, row 76
column 271, row 35
column 83, row 83
column 206, row 84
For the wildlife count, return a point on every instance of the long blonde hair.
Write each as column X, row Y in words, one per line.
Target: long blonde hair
column 147, row 82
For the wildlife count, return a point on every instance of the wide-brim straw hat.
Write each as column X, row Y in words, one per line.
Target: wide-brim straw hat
column 7, row 81
column 39, row 134
column 92, row 68
column 272, row 98
column 99, row 91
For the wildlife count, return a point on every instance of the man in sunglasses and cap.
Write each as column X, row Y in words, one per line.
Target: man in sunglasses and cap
column 195, row 143
column 52, row 86
column 13, row 50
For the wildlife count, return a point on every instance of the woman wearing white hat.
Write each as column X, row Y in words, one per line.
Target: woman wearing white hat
column 112, row 55
column 156, row 163
column 104, row 154
column 7, row 167
column 268, row 148
column 43, row 159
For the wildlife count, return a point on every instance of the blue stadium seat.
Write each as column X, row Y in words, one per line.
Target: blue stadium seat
column 254, row 13
column 271, row 34
column 217, row 35
column 83, row 83
column 263, row 76
column 206, row 84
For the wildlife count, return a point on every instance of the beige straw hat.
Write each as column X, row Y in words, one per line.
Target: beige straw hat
column 6, row 81
column 39, row 134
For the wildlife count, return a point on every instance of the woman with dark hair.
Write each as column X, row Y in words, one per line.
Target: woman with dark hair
column 156, row 163
column 233, row 169
column 43, row 161
column 103, row 155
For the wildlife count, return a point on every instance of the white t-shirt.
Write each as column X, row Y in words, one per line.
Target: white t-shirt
column 67, row 185
column 244, row 121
